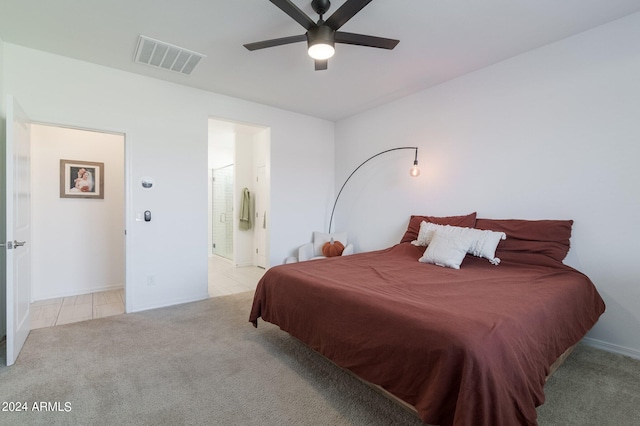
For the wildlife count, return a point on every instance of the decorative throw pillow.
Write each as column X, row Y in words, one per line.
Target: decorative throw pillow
column 427, row 229
column 319, row 238
column 447, row 249
column 411, row 233
column 332, row 248
column 484, row 242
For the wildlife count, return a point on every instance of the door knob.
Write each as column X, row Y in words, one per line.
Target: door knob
column 17, row 243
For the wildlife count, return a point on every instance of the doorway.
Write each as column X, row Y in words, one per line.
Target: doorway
column 238, row 205
column 84, row 276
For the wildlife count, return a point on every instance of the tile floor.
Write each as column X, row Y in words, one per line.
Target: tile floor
column 224, row 279
column 65, row 310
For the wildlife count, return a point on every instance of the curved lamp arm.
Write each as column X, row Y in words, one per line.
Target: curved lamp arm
column 414, row 172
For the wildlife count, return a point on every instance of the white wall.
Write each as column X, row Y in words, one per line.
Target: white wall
column 550, row 134
column 166, row 132
column 77, row 245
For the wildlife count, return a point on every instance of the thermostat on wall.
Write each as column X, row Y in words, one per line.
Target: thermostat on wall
column 147, row 182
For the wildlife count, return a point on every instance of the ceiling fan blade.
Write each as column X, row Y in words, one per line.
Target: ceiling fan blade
column 345, row 12
column 365, row 40
column 293, row 11
column 275, row 42
column 321, row 64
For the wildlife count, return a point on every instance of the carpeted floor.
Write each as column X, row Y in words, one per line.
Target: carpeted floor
column 203, row 363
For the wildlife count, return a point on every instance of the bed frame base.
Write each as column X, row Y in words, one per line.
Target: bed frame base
column 558, row 362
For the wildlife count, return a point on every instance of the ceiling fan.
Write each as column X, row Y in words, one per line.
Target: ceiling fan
column 322, row 36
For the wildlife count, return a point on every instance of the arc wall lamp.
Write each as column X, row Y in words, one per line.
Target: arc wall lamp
column 414, row 172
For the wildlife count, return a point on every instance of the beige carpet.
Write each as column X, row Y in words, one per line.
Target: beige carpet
column 203, row 363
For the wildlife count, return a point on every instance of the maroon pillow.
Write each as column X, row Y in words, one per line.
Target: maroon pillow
column 411, row 234
column 548, row 237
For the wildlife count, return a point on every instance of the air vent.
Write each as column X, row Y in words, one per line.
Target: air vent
column 163, row 55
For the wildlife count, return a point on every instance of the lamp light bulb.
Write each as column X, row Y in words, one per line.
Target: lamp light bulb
column 415, row 171
column 321, row 51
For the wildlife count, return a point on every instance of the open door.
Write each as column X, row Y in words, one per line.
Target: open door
column 261, row 219
column 18, row 228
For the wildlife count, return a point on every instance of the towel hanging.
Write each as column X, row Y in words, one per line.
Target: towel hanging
column 245, row 210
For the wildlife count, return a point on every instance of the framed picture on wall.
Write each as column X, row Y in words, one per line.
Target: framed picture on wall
column 81, row 179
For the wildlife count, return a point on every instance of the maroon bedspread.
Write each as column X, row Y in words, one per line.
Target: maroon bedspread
column 465, row 347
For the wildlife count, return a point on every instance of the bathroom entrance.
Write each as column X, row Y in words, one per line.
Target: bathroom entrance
column 238, row 205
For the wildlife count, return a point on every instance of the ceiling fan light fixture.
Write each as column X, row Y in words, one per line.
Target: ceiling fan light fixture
column 322, row 35
column 321, row 51
column 321, row 42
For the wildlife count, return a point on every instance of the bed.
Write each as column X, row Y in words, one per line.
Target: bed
column 468, row 346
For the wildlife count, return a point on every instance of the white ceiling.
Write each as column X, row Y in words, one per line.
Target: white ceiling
column 439, row 40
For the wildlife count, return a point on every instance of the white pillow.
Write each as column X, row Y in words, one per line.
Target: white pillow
column 483, row 245
column 447, row 249
column 426, row 233
column 319, row 238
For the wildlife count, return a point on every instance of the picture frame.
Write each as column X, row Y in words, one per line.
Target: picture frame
column 81, row 179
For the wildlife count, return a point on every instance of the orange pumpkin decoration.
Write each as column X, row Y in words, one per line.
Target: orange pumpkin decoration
column 332, row 248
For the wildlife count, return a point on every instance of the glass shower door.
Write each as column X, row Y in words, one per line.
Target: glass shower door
column 222, row 216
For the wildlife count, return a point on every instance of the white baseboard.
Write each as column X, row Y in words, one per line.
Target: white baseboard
column 145, row 307
column 610, row 347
